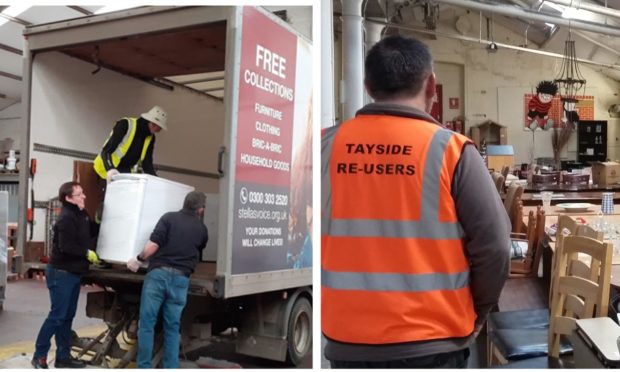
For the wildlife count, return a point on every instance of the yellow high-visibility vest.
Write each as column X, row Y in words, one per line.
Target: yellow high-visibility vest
column 122, row 149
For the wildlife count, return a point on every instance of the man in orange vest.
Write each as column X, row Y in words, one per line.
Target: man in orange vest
column 415, row 243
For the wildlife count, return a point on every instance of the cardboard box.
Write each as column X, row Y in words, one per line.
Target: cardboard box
column 34, row 251
column 605, row 173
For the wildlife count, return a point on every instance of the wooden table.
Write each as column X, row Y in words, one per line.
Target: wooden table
column 556, row 211
column 593, row 197
column 537, row 188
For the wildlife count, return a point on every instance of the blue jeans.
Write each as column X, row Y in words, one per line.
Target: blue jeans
column 64, row 290
column 167, row 289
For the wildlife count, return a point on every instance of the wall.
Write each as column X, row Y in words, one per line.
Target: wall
column 73, row 109
column 494, row 83
column 10, row 123
column 451, row 77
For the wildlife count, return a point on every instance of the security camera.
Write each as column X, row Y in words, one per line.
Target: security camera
column 492, row 47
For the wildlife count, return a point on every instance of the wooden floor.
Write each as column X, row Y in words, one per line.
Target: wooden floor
column 523, row 293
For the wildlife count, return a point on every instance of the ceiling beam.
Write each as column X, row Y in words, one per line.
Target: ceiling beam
column 16, row 20
column 597, row 43
column 80, row 9
column 589, row 7
column 10, row 76
column 478, row 40
column 214, row 89
column 203, row 80
column 10, row 49
column 535, row 16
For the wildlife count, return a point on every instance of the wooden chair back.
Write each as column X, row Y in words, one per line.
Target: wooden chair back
column 575, row 179
column 498, row 181
column 546, row 179
column 535, row 232
column 578, row 297
column 517, row 218
column 570, row 227
column 505, row 171
column 513, row 194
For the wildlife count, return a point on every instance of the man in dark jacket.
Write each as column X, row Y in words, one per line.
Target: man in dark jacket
column 73, row 236
column 173, row 251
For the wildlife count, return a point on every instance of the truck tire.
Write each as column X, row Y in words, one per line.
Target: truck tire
column 299, row 333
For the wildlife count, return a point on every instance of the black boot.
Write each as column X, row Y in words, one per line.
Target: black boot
column 39, row 363
column 69, row 363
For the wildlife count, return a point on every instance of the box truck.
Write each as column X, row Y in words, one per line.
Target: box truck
column 237, row 85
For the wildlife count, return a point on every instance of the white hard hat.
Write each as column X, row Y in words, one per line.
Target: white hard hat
column 157, row 116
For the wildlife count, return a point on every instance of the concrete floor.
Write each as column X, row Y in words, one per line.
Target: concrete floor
column 25, row 308
column 27, row 305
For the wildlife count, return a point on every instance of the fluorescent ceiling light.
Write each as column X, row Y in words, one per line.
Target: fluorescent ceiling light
column 113, row 8
column 13, row 11
column 569, row 13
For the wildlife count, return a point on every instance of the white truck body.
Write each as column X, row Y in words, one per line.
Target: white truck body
column 250, row 151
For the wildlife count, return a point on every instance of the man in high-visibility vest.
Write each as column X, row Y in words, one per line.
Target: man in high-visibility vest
column 415, row 243
column 129, row 148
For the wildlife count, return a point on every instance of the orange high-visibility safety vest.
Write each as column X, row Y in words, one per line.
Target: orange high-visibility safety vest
column 393, row 264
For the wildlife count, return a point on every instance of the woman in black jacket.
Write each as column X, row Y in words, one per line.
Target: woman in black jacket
column 74, row 235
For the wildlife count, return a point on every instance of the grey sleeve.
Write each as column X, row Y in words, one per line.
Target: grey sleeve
column 487, row 230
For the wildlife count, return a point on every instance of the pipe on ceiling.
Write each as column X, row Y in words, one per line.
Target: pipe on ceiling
column 597, row 43
column 500, row 45
column 588, row 6
column 532, row 15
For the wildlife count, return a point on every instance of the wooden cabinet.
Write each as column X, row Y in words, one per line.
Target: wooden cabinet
column 491, row 132
column 591, row 141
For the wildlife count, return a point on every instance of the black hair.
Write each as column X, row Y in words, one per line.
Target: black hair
column 547, row 87
column 194, row 200
column 66, row 190
column 397, row 67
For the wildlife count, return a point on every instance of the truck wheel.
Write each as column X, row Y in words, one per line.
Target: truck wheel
column 299, row 334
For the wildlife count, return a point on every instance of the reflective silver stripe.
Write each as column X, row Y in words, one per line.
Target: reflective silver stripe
column 327, row 143
column 423, row 229
column 432, row 175
column 428, row 227
column 393, row 282
column 131, row 124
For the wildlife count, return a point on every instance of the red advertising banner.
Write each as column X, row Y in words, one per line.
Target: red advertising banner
column 272, row 203
column 266, row 101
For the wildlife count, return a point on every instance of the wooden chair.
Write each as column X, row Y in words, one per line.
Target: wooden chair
column 505, row 171
column 498, row 181
column 517, row 219
column 546, row 179
column 531, row 326
column 570, row 227
column 535, row 232
column 513, row 194
column 575, row 179
column 577, row 297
